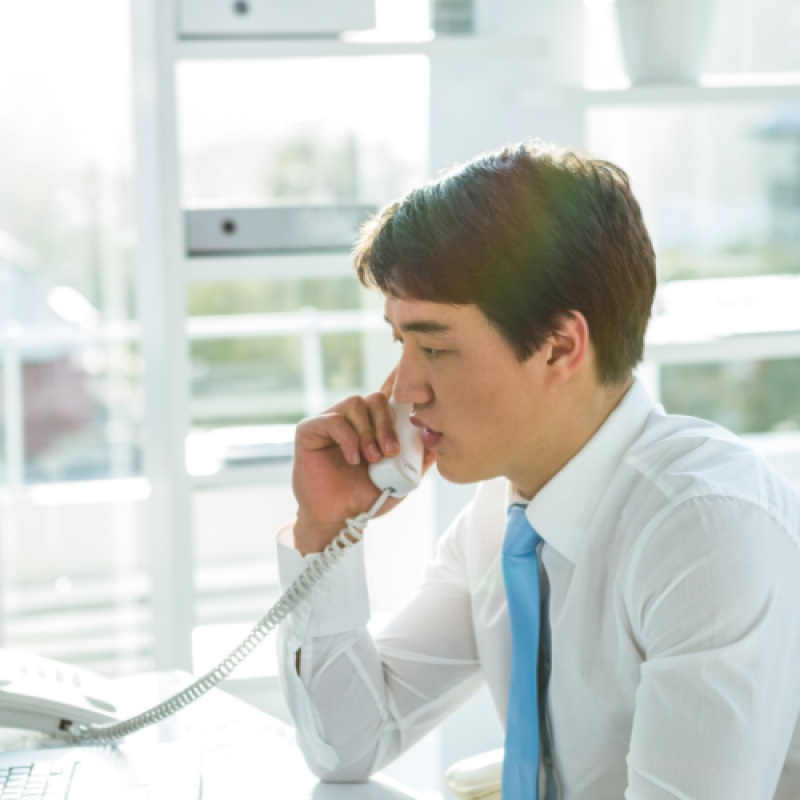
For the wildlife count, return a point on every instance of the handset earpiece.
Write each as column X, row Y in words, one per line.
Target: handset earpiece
column 402, row 473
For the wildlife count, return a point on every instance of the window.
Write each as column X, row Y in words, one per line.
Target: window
column 75, row 582
column 271, row 348
column 715, row 167
column 262, row 379
column 719, row 184
column 744, row 396
column 303, row 130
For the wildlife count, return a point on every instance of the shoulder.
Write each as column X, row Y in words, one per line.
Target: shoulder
column 681, row 458
column 709, row 520
column 712, row 562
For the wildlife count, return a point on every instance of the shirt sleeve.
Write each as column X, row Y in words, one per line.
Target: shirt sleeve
column 714, row 604
column 360, row 702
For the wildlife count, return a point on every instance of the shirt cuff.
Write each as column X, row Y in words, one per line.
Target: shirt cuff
column 340, row 600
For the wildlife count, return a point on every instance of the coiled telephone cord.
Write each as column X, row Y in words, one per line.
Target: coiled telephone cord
column 299, row 590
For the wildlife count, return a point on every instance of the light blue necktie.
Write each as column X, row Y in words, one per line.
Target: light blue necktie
column 523, row 592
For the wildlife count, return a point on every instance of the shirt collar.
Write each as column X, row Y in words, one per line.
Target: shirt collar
column 563, row 508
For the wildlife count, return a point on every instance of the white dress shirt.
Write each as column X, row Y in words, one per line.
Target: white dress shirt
column 673, row 555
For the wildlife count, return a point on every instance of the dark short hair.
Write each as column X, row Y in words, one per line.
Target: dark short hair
column 528, row 234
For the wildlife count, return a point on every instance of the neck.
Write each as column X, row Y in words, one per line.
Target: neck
column 573, row 421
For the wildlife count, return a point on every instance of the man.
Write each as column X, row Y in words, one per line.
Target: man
column 664, row 554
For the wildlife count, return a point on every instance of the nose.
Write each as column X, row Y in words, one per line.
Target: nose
column 411, row 383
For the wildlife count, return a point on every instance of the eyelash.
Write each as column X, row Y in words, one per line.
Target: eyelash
column 427, row 350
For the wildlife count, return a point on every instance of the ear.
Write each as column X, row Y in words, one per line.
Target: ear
column 568, row 347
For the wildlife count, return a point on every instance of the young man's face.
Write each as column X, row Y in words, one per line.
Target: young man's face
column 480, row 408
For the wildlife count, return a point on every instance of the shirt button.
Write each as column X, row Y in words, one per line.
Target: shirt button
column 323, row 589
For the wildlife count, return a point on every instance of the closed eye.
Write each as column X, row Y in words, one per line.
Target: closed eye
column 430, row 352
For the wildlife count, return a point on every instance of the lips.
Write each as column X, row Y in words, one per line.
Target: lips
column 430, row 437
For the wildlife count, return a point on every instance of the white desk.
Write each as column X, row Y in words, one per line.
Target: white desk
column 246, row 753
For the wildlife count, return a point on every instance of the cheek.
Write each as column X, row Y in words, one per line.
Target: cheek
column 497, row 410
column 476, row 393
column 474, row 410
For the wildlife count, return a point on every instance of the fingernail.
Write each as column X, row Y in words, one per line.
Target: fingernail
column 355, row 458
column 392, row 445
column 373, row 451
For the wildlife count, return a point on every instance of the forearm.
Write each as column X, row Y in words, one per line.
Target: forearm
column 358, row 703
column 313, row 641
column 337, row 701
column 356, row 709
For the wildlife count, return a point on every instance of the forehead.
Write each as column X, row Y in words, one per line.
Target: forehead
column 402, row 313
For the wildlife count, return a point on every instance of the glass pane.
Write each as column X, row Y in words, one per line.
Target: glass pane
column 719, row 185
column 252, row 381
column 237, row 574
column 66, row 242
column 82, row 411
column 65, row 155
column 744, row 396
column 303, row 131
column 75, row 579
column 73, row 554
column 255, row 297
column 263, row 380
column 247, row 381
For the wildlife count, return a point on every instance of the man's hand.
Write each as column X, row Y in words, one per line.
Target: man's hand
column 332, row 453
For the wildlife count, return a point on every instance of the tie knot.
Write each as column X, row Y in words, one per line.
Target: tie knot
column 520, row 538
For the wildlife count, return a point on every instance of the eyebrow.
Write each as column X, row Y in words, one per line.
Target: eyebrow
column 422, row 326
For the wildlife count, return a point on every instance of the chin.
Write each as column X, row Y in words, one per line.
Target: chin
column 461, row 471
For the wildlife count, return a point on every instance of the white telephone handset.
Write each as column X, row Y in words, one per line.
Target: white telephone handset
column 402, row 473
column 43, row 695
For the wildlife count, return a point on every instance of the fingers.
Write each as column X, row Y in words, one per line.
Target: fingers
column 383, row 424
column 371, row 424
column 318, row 433
column 361, row 426
column 388, row 384
column 373, row 421
column 356, row 412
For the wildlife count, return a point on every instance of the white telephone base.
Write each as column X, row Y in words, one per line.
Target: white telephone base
column 43, row 695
